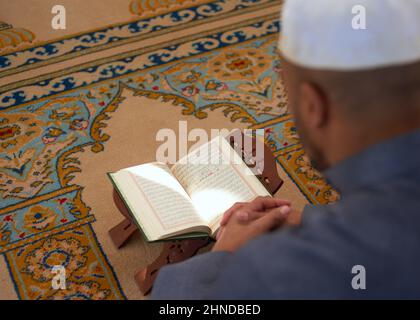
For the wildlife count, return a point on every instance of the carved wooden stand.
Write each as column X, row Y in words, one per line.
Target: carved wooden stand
column 179, row 250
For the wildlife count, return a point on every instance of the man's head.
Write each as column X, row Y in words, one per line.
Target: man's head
column 353, row 108
column 344, row 102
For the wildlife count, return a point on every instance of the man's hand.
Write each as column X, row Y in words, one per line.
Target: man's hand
column 247, row 211
column 246, row 221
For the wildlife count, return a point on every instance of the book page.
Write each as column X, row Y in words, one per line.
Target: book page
column 215, row 177
column 157, row 199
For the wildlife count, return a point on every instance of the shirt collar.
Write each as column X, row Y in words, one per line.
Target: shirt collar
column 377, row 164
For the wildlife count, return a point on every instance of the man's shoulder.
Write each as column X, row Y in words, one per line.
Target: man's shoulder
column 359, row 230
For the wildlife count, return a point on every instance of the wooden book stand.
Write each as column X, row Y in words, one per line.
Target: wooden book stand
column 179, row 250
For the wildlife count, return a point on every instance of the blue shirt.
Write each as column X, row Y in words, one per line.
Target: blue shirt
column 376, row 225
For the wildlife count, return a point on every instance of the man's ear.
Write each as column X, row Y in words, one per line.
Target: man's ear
column 314, row 108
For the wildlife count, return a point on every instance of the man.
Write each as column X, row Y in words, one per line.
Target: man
column 355, row 96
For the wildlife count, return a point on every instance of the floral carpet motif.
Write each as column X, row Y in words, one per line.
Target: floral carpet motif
column 46, row 122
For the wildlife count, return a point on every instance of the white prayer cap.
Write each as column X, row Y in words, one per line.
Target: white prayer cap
column 320, row 34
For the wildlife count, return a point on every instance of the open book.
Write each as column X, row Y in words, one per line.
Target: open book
column 187, row 200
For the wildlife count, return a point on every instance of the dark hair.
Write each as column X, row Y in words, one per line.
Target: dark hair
column 389, row 88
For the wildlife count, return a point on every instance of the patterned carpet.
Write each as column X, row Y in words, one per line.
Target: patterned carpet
column 91, row 101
